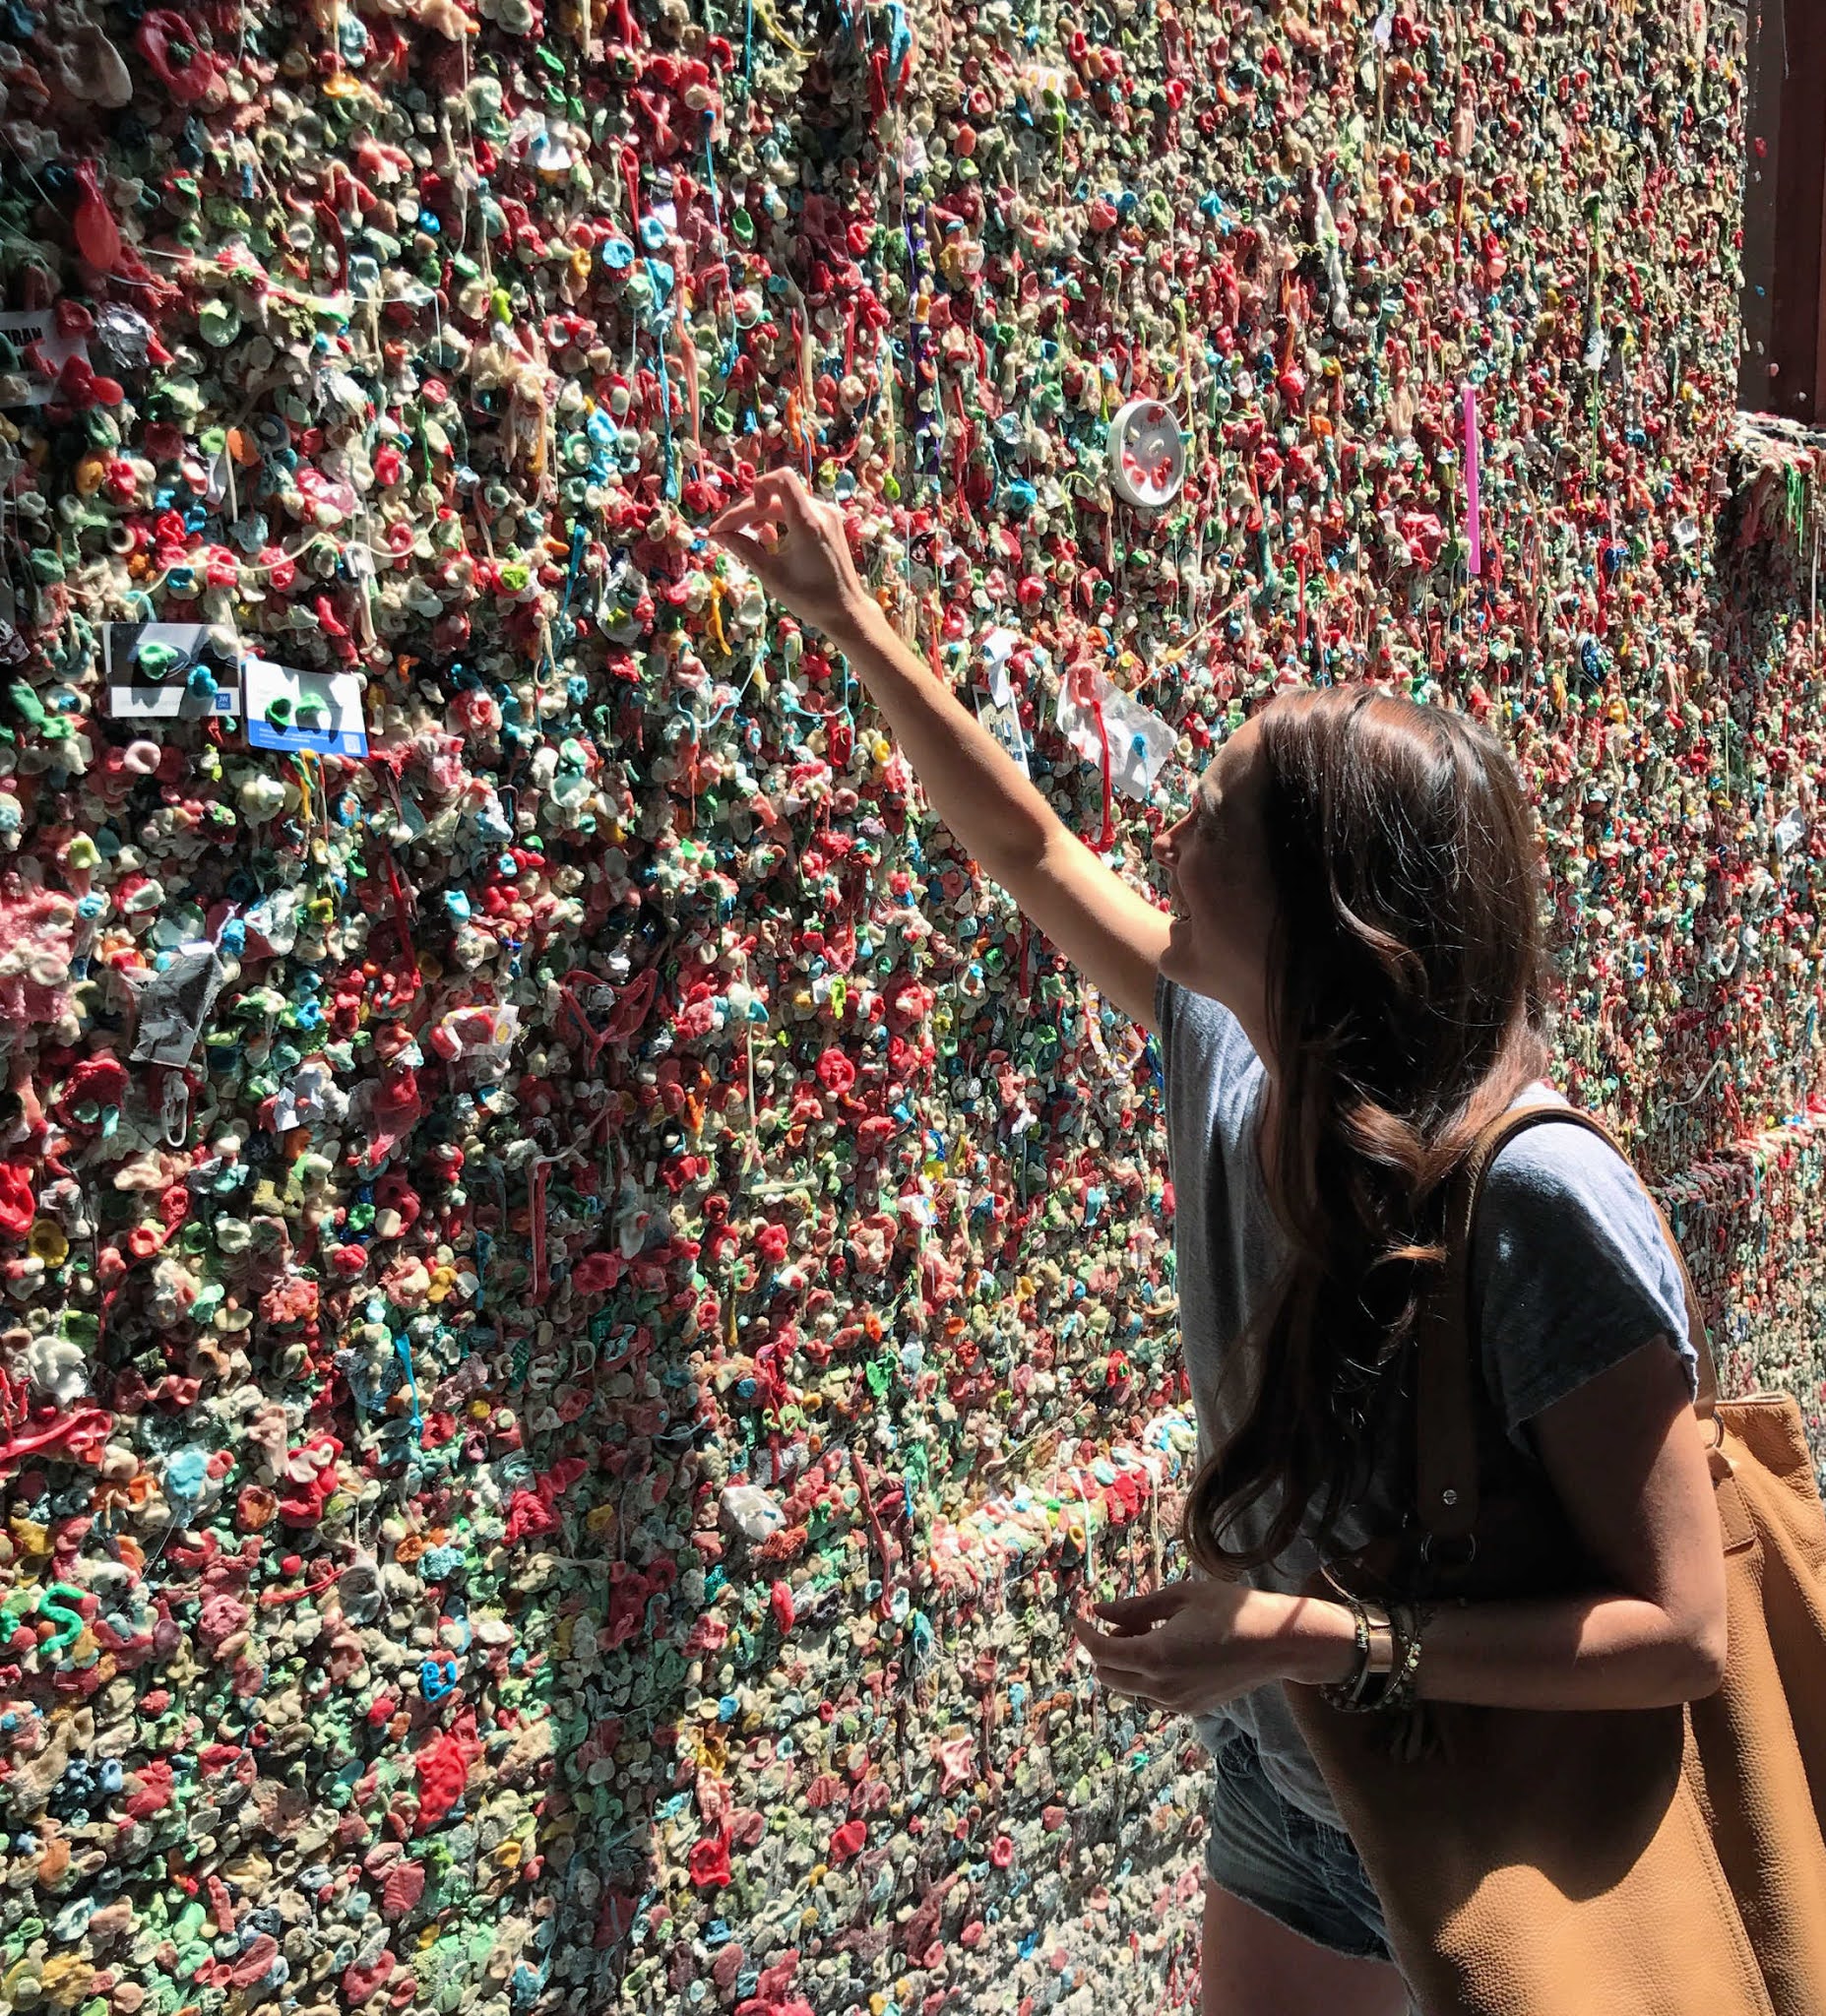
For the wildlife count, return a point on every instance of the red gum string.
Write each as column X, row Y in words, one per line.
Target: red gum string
column 1108, row 837
column 403, row 916
column 84, row 1425
column 875, row 1526
column 631, row 174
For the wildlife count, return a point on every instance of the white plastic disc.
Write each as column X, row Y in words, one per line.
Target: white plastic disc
column 1147, row 458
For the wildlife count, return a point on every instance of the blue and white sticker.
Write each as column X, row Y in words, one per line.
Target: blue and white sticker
column 292, row 710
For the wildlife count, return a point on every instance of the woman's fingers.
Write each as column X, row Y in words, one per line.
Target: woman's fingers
column 1130, row 1694
column 782, row 497
column 739, row 517
column 1135, row 1681
column 782, row 490
column 798, row 546
column 1115, row 1650
column 1137, row 1613
column 738, row 528
column 1124, row 1666
column 743, row 544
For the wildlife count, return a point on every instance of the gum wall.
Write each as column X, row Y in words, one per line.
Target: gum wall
column 579, row 1295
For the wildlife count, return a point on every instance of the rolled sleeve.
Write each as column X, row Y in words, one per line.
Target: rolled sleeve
column 1571, row 1272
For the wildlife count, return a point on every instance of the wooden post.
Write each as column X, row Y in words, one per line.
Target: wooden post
column 1785, row 211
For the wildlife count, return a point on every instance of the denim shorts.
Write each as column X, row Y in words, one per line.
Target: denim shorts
column 1303, row 1873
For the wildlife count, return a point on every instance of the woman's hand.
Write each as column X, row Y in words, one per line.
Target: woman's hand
column 799, row 548
column 1191, row 1647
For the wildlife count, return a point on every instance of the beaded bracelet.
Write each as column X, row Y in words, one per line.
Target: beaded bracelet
column 1403, row 1687
column 1376, row 1653
column 1343, row 1693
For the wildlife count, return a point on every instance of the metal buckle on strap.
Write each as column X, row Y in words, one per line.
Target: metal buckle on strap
column 1451, row 1567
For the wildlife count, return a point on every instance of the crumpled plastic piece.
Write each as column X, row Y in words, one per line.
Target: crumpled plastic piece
column 175, row 1004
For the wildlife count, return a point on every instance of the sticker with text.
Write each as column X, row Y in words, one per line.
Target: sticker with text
column 22, row 329
column 170, row 672
column 292, row 710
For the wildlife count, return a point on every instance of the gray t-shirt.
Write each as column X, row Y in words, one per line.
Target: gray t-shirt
column 1570, row 1274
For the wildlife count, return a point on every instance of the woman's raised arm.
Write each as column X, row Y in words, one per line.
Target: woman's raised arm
column 800, row 547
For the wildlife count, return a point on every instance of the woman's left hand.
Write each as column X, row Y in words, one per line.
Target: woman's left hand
column 1192, row 1646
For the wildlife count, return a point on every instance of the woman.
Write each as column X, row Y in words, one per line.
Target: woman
column 1347, row 988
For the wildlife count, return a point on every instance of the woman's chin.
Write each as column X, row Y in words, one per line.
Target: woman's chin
column 1180, row 965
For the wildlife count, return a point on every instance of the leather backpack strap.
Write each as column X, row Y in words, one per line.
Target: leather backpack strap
column 1446, row 1487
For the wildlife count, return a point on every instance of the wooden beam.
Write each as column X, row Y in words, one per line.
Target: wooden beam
column 1762, row 163
column 1818, row 416
column 1798, row 283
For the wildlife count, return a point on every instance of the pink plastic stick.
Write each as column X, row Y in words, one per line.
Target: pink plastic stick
column 1471, row 478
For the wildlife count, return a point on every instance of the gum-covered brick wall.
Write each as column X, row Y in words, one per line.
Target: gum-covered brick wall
column 580, row 1295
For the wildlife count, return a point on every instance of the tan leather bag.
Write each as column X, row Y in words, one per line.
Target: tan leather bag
column 1668, row 1861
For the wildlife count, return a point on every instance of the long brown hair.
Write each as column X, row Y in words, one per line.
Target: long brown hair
column 1405, row 1008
